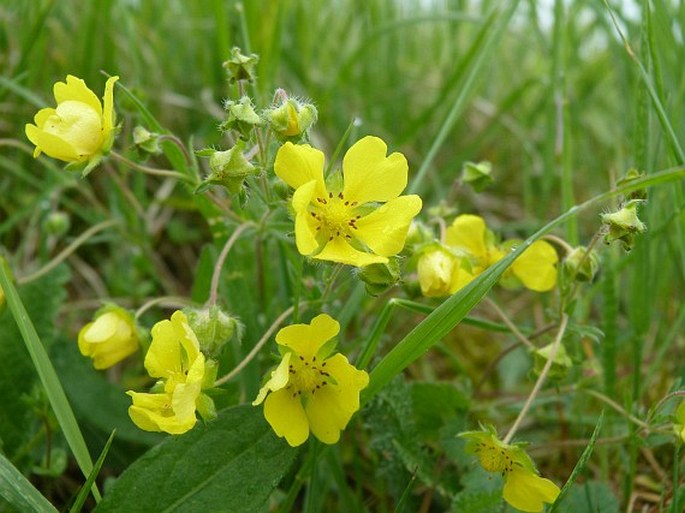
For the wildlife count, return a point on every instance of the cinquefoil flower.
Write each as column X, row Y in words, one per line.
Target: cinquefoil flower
column 174, row 357
column 111, row 337
column 535, row 268
column 524, row 489
column 363, row 223
column 310, row 390
column 80, row 129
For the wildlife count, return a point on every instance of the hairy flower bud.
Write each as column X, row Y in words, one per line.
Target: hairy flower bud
column 228, row 168
column 241, row 67
column 291, row 120
column 213, row 328
column 477, row 175
column 623, row 224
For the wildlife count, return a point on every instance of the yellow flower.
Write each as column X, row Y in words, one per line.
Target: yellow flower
column 110, row 338
column 174, row 357
column 80, row 129
column 309, row 390
column 535, row 268
column 441, row 273
column 523, row 488
column 349, row 226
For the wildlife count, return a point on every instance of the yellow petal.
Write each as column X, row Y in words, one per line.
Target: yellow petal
column 467, row 233
column 528, row 492
column 183, row 401
column 76, row 89
column 330, row 408
column 371, row 176
column 108, row 114
column 536, row 267
column 50, row 144
column 80, row 125
column 307, row 339
column 305, row 228
column 104, row 327
column 298, row 164
column 43, row 115
column 152, row 412
column 285, row 414
column 338, row 250
column 186, row 336
column 164, row 355
column 441, row 274
column 385, row 229
column 279, row 379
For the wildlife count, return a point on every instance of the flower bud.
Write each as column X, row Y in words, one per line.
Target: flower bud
column 561, row 364
column 418, row 235
column 111, row 337
column 291, row 120
column 241, row 117
column 380, row 277
column 57, row 223
column 205, row 407
column 440, row 272
column 146, row 141
column 631, row 175
column 228, row 168
column 213, row 328
column 80, row 129
column 240, row 67
column 624, row 224
column 477, row 175
column 581, row 265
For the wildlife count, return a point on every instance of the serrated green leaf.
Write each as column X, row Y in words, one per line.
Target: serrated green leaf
column 19, row 492
column 229, row 465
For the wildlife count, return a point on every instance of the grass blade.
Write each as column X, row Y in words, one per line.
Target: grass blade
column 19, row 492
column 83, row 492
column 48, row 376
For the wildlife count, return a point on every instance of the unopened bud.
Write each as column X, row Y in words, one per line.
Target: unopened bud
column 227, row 168
column 561, row 364
column 380, row 277
column 291, row 120
column 623, row 224
column 241, row 67
column 581, row 265
column 241, row 117
column 57, row 223
column 477, row 175
column 146, row 141
column 213, row 327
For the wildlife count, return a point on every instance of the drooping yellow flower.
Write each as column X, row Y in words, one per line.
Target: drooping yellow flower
column 174, row 356
column 535, row 268
column 364, row 223
column 523, row 488
column 441, row 273
column 80, row 129
column 111, row 337
column 310, row 390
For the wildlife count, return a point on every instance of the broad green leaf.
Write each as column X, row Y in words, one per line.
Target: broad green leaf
column 19, row 492
column 478, row 502
column 589, row 498
column 229, row 465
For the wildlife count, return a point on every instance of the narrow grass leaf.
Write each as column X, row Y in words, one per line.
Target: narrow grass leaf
column 580, row 466
column 19, row 492
column 48, row 376
column 83, row 493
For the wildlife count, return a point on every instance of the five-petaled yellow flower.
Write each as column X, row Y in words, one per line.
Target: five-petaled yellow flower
column 523, row 488
column 111, row 337
column 80, row 129
column 310, row 390
column 535, row 268
column 174, row 357
column 362, row 223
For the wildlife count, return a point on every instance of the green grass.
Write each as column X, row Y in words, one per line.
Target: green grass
column 561, row 97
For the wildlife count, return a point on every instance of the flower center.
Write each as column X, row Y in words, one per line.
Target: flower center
column 493, row 458
column 307, row 375
column 335, row 216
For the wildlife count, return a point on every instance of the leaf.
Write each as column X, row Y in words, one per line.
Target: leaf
column 590, row 498
column 19, row 492
column 478, row 502
column 229, row 465
column 42, row 298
